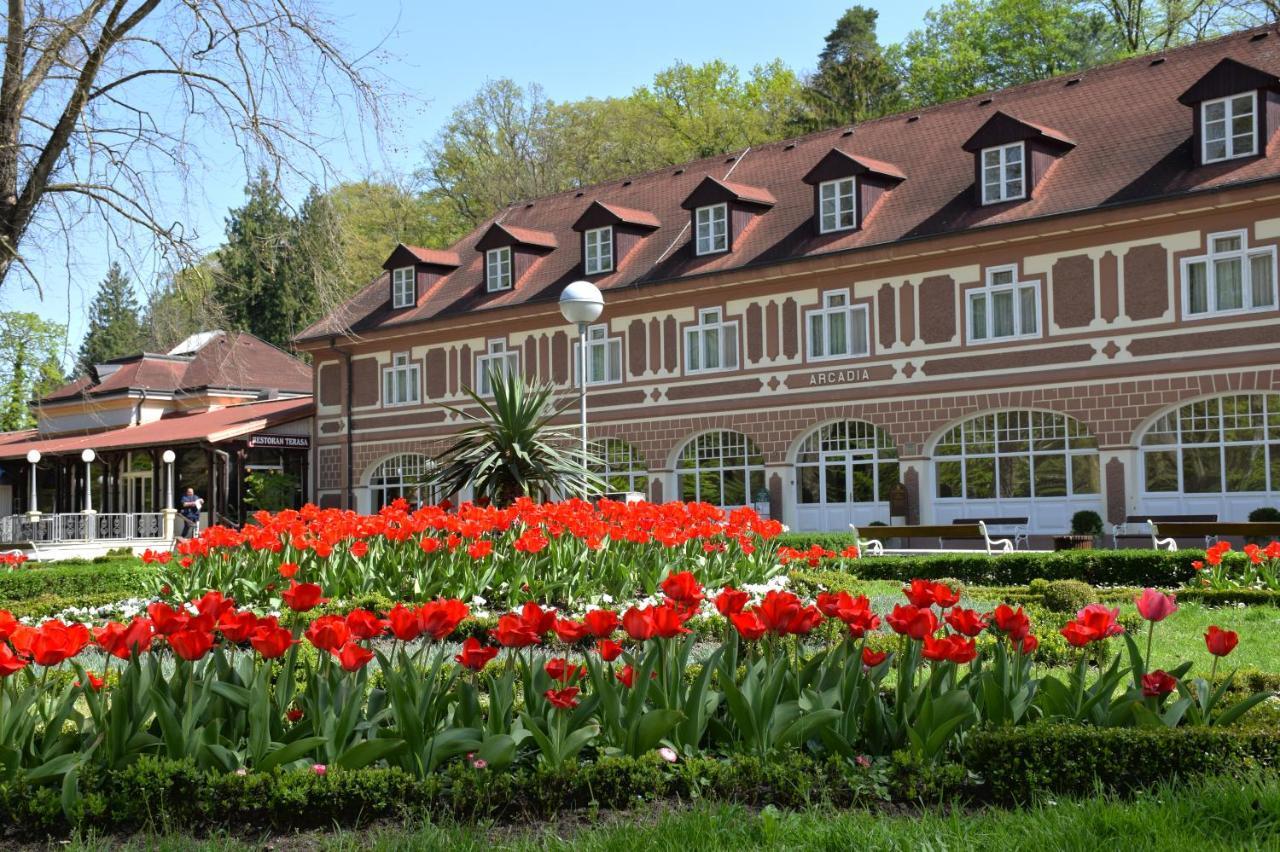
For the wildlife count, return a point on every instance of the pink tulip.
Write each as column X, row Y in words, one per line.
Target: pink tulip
column 1154, row 606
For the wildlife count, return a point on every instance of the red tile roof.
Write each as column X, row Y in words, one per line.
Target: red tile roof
column 435, row 256
column 1133, row 143
column 236, row 361
column 642, row 218
column 221, row 424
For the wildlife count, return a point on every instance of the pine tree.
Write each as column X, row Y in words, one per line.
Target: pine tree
column 115, row 322
column 263, row 278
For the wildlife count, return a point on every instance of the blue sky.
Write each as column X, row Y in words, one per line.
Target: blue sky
column 446, row 51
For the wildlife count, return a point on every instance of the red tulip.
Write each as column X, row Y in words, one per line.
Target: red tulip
column 288, row 570
column 95, row 683
column 608, row 650
column 480, row 549
column 1154, row 606
column 359, row 549
column 563, row 699
column 270, row 639
column 1011, row 622
column 668, row 622
column 293, row 714
column 364, row 624
column 405, row 624
column 944, row 596
column 730, row 601
column 7, row 624
column 919, row 593
column 439, row 618
column 601, row 623
column 683, row 588
column 777, row 610
column 804, row 621
column 303, row 597
column 1220, row 642
column 638, row 623
column 120, row 640
column 1158, row 683
column 353, row 657
column 236, row 626
column 966, row 621
column 871, row 658
column 191, row 644
column 626, row 675
column 912, row 621
column 213, row 604
column 475, row 656
column 558, row 668
column 10, row 662
column 513, row 632
column 166, row 619
column 748, row 625
column 1077, row 634
column 540, row 621
column 329, row 633
column 571, row 631
column 1029, row 644
column 55, row 642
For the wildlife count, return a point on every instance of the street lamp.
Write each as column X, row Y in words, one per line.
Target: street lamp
column 87, row 456
column 168, row 457
column 582, row 303
column 33, row 459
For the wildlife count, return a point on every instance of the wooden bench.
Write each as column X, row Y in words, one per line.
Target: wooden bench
column 1018, row 525
column 1173, row 530
column 1157, row 543
column 978, row 530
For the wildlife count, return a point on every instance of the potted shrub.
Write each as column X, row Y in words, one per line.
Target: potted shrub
column 1263, row 514
column 1086, row 526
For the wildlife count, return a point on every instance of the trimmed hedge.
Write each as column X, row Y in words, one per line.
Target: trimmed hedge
column 1016, row 764
column 122, row 578
column 999, row 766
column 1096, row 567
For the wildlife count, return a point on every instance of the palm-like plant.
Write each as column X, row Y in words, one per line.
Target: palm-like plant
column 512, row 447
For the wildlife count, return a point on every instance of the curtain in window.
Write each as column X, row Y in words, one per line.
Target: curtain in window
column 1197, row 289
column 1228, row 283
column 1002, row 314
column 1260, row 280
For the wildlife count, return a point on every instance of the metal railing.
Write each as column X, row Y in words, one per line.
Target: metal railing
column 53, row 529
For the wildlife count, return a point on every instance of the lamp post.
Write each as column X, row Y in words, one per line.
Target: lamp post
column 87, row 456
column 33, row 459
column 582, row 303
column 169, row 512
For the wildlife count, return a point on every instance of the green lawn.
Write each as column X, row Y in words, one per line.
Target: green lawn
column 1215, row 815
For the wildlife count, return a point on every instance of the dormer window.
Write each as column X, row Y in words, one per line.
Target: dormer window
column 1229, row 127
column 403, row 293
column 1004, row 175
column 712, row 224
column 1012, row 157
column 838, row 208
column 497, row 269
column 597, row 250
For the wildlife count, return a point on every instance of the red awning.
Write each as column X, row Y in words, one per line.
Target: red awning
column 222, row 424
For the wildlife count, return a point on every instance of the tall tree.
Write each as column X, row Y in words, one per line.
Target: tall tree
column 972, row 46
column 115, row 322
column 184, row 304
column 263, row 279
column 30, row 365
column 104, row 104
column 854, row 80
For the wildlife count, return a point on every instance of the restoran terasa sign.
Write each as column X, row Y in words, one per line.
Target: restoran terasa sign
column 284, row 442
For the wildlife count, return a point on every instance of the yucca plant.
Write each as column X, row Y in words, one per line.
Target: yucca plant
column 512, row 447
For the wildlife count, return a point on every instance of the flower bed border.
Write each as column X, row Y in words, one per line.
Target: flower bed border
column 1000, row 767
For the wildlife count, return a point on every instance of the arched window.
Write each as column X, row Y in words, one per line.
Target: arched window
column 621, row 466
column 1225, row 445
column 721, row 468
column 847, row 462
column 1016, row 454
column 400, row 476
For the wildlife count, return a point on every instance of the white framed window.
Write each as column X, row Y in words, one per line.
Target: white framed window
column 712, row 227
column 497, row 360
column 604, row 357
column 1004, row 176
column 712, row 344
column 1016, row 454
column 1222, row 445
column 620, row 465
column 1231, row 278
column 838, row 329
column 850, row 461
column 1004, row 308
column 401, row 477
column 837, row 205
column 1228, row 127
column 497, row 269
column 724, row 469
column 597, row 250
column 400, row 381
column 403, row 288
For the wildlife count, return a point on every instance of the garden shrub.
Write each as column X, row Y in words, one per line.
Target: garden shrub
column 1003, row 766
column 1086, row 522
column 1067, row 595
column 74, row 580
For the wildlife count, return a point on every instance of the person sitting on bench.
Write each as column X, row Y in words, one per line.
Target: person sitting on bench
column 190, row 512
